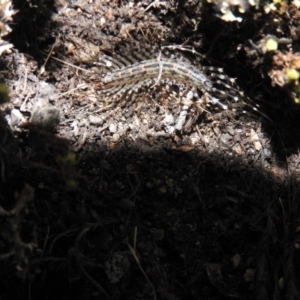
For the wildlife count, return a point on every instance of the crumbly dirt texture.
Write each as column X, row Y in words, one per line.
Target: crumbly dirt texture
column 99, row 199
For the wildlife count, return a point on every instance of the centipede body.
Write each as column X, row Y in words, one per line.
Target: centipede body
column 208, row 84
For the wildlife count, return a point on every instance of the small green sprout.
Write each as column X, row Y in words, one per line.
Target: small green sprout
column 271, row 44
column 70, row 158
column 71, row 184
column 292, row 75
column 4, row 93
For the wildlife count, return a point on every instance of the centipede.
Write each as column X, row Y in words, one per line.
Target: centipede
column 199, row 87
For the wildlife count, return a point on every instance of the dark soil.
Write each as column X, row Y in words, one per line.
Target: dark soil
column 104, row 203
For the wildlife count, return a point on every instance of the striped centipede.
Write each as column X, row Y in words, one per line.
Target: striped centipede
column 129, row 75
